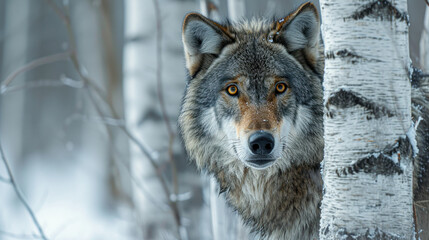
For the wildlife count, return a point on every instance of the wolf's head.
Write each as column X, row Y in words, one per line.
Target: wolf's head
column 254, row 97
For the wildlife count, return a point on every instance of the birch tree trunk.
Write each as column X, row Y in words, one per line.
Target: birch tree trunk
column 151, row 55
column 236, row 9
column 139, row 87
column 99, row 52
column 369, row 136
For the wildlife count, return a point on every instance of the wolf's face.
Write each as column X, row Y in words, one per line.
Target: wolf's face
column 254, row 98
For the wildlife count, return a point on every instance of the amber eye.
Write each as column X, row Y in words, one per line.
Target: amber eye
column 232, row 90
column 281, row 87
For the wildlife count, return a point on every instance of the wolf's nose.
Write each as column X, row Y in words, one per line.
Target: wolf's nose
column 261, row 143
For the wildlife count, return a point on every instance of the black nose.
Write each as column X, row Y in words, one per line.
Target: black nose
column 261, row 143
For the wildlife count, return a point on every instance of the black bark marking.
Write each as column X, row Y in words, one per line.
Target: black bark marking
column 382, row 10
column 330, row 55
column 325, row 230
column 346, row 99
column 381, row 163
column 377, row 234
column 349, row 56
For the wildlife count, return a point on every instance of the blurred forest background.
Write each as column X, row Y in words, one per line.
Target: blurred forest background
column 90, row 94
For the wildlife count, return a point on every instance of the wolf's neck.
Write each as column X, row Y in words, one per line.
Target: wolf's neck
column 284, row 205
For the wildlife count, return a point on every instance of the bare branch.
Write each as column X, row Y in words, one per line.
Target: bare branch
column 20, row 236
column 103, row 120
column 58, row 11
column 43, row 83
column 33, row 64
column 170, row 131
column 422, row 203
column 20, row 195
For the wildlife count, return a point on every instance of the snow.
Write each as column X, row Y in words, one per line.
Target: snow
column 411, row 134
column 69, row 198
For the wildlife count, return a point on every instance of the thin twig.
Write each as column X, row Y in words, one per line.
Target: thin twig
column 35, row 63
column 58, row 11
column 170, row 131
column 103, row 120
column 42, row 83
column 421, row 203
column 20, row 236
column 20, row 196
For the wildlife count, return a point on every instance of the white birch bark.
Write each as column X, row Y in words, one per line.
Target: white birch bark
column 145, row 188
column 145, row 119
column 236, row 10
column 210, row 9
column 367, row 57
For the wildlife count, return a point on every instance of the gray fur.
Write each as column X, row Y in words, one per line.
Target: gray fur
column 420, row 109
column 282, row 200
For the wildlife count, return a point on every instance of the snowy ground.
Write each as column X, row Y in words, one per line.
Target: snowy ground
column 68, row 197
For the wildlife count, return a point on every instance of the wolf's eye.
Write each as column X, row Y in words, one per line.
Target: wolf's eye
column 232, row 90
column 281, row 87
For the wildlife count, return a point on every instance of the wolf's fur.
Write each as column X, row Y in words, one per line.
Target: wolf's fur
column 280, row 201
column 420, row 109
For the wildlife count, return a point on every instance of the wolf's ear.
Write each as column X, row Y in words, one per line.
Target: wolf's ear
column 203, row 40
column 300, row 30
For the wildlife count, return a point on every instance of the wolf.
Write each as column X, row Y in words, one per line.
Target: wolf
column 252, row 116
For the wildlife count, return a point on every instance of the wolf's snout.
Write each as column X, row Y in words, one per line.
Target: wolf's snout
column 261, row 143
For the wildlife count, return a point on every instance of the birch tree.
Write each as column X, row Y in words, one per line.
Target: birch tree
column 152, row 77
column 369, row 136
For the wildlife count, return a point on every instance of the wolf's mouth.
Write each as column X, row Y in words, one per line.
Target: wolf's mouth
column 260, row 163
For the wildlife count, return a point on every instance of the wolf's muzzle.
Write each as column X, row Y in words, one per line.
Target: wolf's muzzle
column 261, row 143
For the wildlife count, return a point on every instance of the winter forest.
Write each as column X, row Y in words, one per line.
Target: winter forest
column 90, row 97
